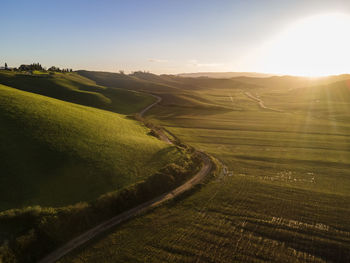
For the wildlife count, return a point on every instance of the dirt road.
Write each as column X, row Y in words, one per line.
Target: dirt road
column 101, row 228
column 160, row 133
column 260, row 102
column 159, row 99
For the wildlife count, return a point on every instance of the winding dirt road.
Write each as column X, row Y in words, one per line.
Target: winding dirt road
column 114, row 221
column 160, row 133
column 260, row 102
column 159, row 99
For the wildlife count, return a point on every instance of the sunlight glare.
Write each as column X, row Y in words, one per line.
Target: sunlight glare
column 315, row 46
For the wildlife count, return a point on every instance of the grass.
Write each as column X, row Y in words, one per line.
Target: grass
column 286, row 195
column 233, row 219
column 75, row 88
column 55, row 153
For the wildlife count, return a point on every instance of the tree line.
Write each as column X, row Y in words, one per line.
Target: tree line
column 37, row 66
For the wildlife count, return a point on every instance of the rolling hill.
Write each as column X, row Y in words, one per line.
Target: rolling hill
column 172, row 89
column 225, row 75
column 55, row 153
column 284, row 193
column 75, row 88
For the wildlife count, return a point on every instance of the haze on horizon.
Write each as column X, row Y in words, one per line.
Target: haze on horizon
column 307, row 38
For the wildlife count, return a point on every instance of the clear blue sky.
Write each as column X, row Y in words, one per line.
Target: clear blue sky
column 162, row 36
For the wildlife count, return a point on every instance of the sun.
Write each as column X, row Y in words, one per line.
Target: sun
column 314, row 46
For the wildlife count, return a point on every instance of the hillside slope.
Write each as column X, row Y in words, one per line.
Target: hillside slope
column 74, row 88
column 57, row 153
column 173, row 90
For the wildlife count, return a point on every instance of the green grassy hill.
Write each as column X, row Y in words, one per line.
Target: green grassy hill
column 75, row 88
column 55, row 153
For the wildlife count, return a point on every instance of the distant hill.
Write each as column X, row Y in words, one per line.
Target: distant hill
column 291, row 82
column 225, row 75
column 173, row 89
column 187, row 92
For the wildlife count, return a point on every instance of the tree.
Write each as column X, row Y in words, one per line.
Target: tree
column 31, row 67
column 6, row 66
column 54, row 69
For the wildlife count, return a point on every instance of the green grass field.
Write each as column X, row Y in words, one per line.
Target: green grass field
column 286, row 195
column 55, row 153
column 233, row 219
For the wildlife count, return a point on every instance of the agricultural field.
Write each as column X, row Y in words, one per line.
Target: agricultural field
column 56, row 153
column 284, row 192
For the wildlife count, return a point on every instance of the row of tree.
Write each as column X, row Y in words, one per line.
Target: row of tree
column 57, row 69
column 37, row 66
column 31, row 67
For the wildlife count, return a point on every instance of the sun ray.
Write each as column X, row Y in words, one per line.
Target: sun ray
column 315, row 46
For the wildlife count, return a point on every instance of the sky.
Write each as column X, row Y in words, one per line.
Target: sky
column 176, row 36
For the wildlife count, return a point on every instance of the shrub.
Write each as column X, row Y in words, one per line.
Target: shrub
column 43, row 229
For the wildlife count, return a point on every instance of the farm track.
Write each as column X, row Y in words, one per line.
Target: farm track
column 159, row 99
column 260, row 102
column 160, row 133
column 114, row 221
